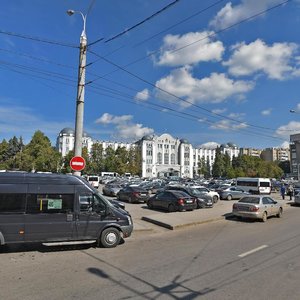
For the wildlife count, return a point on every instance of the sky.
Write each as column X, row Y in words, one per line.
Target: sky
column 210, row 71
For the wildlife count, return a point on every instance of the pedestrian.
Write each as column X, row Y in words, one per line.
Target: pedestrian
column 282, row 191
column 290, row 191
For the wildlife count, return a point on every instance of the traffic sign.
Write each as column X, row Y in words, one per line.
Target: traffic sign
column 77, row 163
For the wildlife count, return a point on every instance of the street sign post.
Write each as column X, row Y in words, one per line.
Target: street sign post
column 77, row 163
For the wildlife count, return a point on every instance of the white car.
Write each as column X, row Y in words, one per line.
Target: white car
column 207, row 192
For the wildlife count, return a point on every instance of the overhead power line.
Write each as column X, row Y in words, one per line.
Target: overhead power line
column 37, row 39
column 180, row 98
column 143, row 21
column 179, row 23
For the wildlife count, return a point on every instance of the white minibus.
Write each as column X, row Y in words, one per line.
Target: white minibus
column 254, row 185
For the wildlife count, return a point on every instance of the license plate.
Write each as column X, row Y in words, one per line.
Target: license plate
column 189, row 201
column 144, row 195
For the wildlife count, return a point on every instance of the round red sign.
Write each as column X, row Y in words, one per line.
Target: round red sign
column 77, row 163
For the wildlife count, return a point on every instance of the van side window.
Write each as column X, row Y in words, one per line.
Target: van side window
column 85, row 202
column 12, row 203
column 90, row 202
column 50, row 203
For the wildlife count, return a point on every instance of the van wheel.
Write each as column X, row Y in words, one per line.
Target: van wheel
column 110, row 238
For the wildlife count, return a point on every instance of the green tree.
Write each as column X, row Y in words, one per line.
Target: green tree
column 135, row 161
column 97, row 158
column 218, row 169
column 39, row 155
column 3, row 154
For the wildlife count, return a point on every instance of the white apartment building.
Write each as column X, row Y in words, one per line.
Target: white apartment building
column 162, row 155
column 165, row 155
column 66, row 139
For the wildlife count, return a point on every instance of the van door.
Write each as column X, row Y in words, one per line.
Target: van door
column 91, row 216
column 12, row 212
column 49, row 215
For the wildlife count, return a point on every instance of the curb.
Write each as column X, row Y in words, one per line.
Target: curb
column 174, row 227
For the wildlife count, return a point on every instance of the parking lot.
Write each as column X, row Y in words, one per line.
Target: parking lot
column 145, row 219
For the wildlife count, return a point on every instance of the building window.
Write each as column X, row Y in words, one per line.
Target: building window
column 166, row 158
column 159, row 158
column 173, row 159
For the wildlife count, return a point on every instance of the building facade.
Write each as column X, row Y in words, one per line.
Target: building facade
column 295, row 155
column 251, row 152
column 165, row 155
column 66, row 140
column 275, row 154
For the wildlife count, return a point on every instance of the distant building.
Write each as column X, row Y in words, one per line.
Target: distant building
column 251, row 152
column 295, row 155
column 161, row 155
column 165, row 155
column 231, row 149
column 275, row 154
column 66, row 139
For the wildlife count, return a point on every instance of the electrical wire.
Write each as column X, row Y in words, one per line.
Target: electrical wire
column 37, row 39
column 142, row 22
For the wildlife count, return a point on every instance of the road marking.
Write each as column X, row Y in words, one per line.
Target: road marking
column 253, row 251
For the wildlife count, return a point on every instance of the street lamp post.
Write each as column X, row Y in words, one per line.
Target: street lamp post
column 80, row 89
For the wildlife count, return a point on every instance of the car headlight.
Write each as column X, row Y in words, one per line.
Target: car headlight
column 129, row 220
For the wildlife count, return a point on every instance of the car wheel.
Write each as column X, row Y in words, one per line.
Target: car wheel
column 171, row 208
column 264, row 217
column 215, row 199
column 229, row 197
column 279, row 215
column 110, row 237
column 149, row 204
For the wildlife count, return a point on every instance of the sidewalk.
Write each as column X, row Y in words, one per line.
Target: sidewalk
column 177, row 220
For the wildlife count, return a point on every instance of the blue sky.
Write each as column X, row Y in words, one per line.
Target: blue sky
column 208, row 71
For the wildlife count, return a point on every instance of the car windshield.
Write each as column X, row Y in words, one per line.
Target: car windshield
column 195, row 192
column 252, row 200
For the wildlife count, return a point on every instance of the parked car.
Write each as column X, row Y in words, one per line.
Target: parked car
column 232, row 193
column 133, row 194
column 207, row 193
column 111, row 189
column 202, row 201
column 171, row 201
column 94, row 180
column 257, row 207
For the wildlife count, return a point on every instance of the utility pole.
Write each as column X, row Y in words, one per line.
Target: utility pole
column 80, row 89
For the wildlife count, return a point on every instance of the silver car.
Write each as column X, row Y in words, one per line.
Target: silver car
column 257, row 207
column 232, row 193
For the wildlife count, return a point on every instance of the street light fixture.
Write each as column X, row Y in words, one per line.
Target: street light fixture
column 80, row 88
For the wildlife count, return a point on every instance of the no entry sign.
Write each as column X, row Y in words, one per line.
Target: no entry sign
column 77, row 163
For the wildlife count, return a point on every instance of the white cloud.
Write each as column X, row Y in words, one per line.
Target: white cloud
column 285, row 145
column 257, row 56
column 123, row 127
column 213, row 89
column 107, row 118
column 266, row 112
column 209, row 145
column 285, row 131
column 133, row 131
column 228, row 125
column 190, row 48
column 230, row 14
column 219, row 110
column 142, row 95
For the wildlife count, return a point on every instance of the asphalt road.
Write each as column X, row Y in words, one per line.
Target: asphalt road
column 227, row 259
